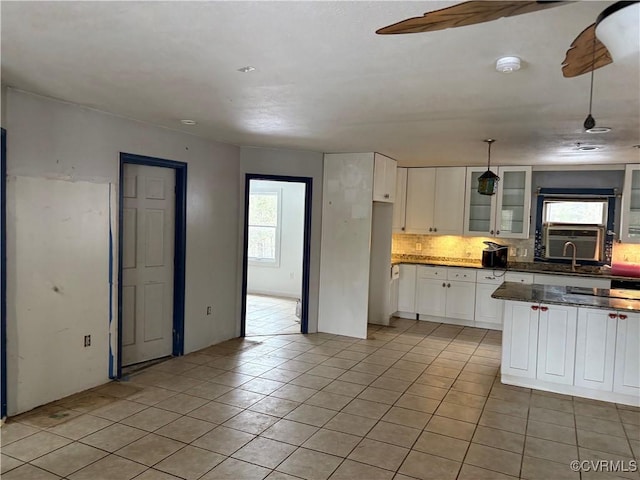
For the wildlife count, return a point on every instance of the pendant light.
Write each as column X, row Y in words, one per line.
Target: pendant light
column 488, row 181
column 590, row 122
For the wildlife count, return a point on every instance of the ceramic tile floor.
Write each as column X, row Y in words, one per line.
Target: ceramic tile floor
column 415, row 400
column 271, row 315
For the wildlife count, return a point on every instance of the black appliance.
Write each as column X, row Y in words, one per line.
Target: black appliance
column 495, row 255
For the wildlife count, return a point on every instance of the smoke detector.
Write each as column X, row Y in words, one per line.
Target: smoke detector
column 508, row 64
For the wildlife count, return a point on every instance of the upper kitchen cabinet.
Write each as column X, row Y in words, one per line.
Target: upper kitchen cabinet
column 505, row 214
column 384, row 179
column 434, row 204
column 630, row 224
column 400, row 205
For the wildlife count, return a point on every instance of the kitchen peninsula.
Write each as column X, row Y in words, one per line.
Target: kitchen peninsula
column 572, row 340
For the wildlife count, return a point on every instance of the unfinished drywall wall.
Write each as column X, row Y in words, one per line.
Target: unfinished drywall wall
column 297, row 163
column 67, row 156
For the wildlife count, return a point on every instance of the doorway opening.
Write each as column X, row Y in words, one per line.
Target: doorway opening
column 151, row 259
column 277, row 229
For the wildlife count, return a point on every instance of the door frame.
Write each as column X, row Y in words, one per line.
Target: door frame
column 179, row 261
column 3, row 273
column 306, row 248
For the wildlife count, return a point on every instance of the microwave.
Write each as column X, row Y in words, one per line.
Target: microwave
column 587, row 239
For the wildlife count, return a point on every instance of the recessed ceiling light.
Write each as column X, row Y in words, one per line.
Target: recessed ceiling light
column 188, row 122
column 587, row 148
column 598, row 130
column 247, row 69
column 508, row 64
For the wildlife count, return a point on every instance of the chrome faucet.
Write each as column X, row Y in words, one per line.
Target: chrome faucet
column 573, row 258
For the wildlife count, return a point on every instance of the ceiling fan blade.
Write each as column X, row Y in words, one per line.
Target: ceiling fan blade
column 580, row 56
column 467, row 13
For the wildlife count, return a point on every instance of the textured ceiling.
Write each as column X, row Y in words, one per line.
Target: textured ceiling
column 324, row 81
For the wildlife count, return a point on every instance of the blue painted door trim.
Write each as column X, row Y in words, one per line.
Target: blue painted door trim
column 3, row 272
column 180, row 247
column 306, row 252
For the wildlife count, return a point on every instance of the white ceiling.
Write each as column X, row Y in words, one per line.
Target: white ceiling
column 325, row 81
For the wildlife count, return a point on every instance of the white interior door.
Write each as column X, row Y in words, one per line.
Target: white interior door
column 147, row 262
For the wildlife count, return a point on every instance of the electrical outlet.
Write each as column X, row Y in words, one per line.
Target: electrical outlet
column 87, row 340
column 209, row 310
column 418, row 247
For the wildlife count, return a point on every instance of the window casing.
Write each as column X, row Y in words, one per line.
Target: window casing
column 264, row 226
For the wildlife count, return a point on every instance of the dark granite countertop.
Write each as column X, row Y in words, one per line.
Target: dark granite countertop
column 613, row 299
column 531, row 267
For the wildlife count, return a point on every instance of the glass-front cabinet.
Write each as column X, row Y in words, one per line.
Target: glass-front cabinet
column 630, row 221
column 505, row 214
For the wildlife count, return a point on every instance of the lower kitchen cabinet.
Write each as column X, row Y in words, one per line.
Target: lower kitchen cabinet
column 626, row 376
column 539, row 341
column 446, row 292
column 407, row 289
column 520, row 339
column 556, row 343
column 595, row 348
column 608, row 351
column 488, row 311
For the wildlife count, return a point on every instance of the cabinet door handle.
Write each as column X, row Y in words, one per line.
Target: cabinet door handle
column 435, row 229
column 534, row 307
column 443, row 284
column 386, row 195
column 490, row 278
column 448, row 285
column 544, row 309
column 491, row 232
column 402, row 229
column 497, row 232
column 430, row 229
column 613, row 315
column 622, row 316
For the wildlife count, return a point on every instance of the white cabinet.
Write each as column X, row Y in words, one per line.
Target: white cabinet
column 520, row 339
column 505, row 214
column 434, row 204
column 446, row 292
column 488, row 311
column 556, row 343
column 626, row 378
column 539, row 341
column 400, row 204
column 595, row 348
column 407, row 289
column 431, row 293
column 630, row 218
column 384, row 179
column 571, row 281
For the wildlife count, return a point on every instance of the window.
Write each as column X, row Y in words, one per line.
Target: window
column 583, row 216
column 575, row 212
column 264, row 227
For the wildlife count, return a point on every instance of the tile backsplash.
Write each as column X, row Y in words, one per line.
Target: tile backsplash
column 470, row 248
column 457, row 247
column 626, row 253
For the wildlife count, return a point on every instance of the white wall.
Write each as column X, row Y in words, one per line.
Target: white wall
column 290, row 163
column 61, row 160
column 346, row 243
column 285, row 278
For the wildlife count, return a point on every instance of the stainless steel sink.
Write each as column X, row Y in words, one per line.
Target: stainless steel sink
column 603, row 292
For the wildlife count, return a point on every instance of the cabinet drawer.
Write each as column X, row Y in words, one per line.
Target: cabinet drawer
column 432, row 272
column 487, row 276
column 519, row 277
column 461, row 274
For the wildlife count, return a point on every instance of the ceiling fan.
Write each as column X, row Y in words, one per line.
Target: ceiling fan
column 586, row 53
